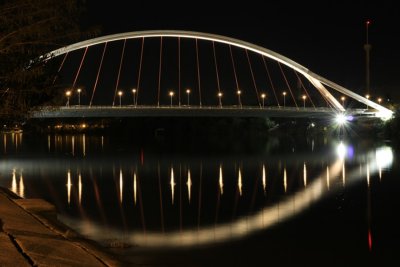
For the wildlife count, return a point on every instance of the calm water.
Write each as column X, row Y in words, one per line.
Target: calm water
column 311, row 202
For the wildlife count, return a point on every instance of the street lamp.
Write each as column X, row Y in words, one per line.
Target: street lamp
column 79, row 96
column 240, row 101
column 220, row 101
column 342, row 98
column 367, row 97
column 120, row 96
column 134, row 96
column 304, row 100
column 263, row 98
column 188, row 95
column 171, row 94
column 379, row 100
column 284, row 98
column 68, row 95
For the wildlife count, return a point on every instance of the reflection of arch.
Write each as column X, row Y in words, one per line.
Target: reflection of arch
column 263, row 219
column 315, row 79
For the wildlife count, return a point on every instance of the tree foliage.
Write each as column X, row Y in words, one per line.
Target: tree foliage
column 29, row 29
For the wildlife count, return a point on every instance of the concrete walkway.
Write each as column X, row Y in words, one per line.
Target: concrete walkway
column 30, row 235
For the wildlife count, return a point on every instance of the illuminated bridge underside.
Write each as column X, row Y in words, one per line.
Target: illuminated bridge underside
column 314, row 79
column 142, row 111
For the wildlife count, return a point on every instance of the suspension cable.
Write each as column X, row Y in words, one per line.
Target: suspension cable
column 198, row 70
column 305, row 90
column 234, row 68
column 216, row 68
column 179, row 71
column 270, row 80
column 59, row 69
column 159, row 73
column 98, row 74
column 139, row 71
column 252, row 76
column 119, row 71
column 287, row 84
column 79, row 69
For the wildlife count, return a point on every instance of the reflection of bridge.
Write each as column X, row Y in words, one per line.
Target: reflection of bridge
column 192, row 74
column 189, row 111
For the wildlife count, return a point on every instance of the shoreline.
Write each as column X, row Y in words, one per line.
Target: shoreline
column 33, row 229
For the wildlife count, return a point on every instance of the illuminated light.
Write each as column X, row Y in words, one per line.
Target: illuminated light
column 172, row 183
column 304, row 175
column 188, row 96
column 21, row 186
column 189, row 185
column 384, row 158
column 341, row 150
column 121, row 186
column 83, row 125
column 368, row 182
column 369, row 240
column 341, row 119
column 264, row 179
column 80, row 189
column 69, row 186
column 368, row 22
column 14, row 182
column 73, row 145
column 84, row 145
column 134, row 187
column 327, row 177
column 343, row 173
column 240, row 185
column 384, row 115
column 221, row 182
column 285, row 179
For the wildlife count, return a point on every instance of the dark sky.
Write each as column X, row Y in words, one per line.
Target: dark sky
column 327, row 38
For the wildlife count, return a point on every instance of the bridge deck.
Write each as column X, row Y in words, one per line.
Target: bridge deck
column 190, row 111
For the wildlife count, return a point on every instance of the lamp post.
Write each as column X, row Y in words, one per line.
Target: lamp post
column 379, row 100
column 120, row 97
column 79, row 96
column 342, row 98
column 304, row 101
column 263, row 95
column 240, row 101
column 68, row 95
column 134, row 96
column 171, row 94
column 284, row 98
column 188, row 95
column 219, row 99
column 367, row 97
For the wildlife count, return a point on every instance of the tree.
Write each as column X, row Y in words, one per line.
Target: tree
column 28, row 30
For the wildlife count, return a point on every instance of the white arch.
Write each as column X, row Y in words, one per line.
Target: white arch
column 315, row 79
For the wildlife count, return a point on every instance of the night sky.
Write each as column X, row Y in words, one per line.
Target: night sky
column 327, row 38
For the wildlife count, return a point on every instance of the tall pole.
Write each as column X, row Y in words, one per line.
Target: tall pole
column 367, row 48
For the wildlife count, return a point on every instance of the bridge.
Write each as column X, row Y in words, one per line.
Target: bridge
column 185, row 73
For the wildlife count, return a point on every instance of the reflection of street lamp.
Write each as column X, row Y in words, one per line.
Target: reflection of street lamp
column 263, row 98
column 188, row 95
column 220, row 101
column 68, row 95
column 284, row 98
column 240, row 101
column 342, row 98
column 304, row 100
column 171, row 94
column 120, row 96
column 134, row 96
column 367, row 97
column 79, row 96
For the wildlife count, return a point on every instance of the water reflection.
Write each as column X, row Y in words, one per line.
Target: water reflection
column 201, row 201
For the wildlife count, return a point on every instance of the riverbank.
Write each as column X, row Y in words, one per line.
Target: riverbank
column 31, row 235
